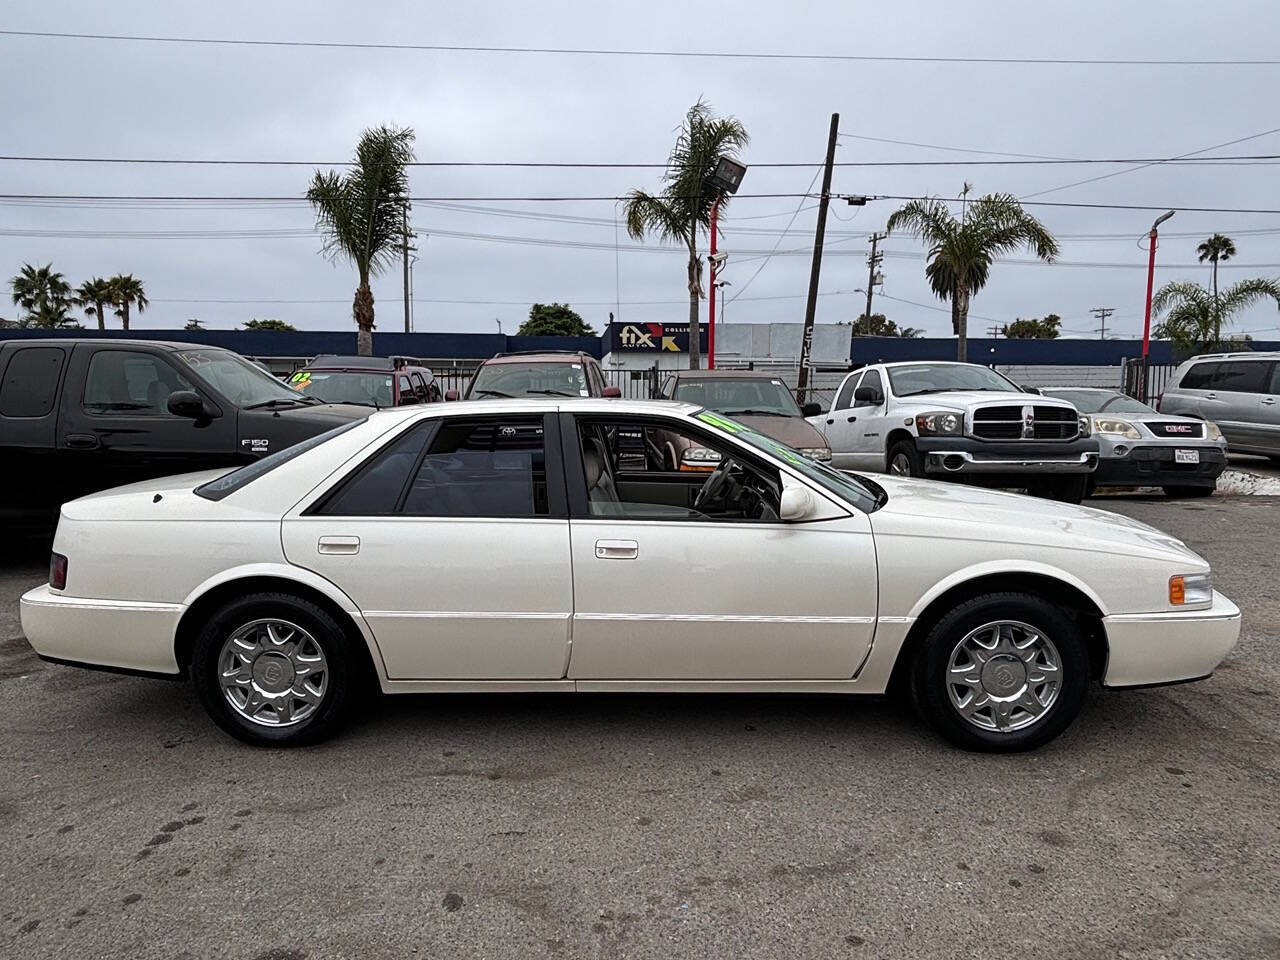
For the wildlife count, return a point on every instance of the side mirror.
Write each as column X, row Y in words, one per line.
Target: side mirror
column 811, row 410
column 868, row 395
column 187, row 403
column 613, row 393
column 796, row 503
column 451, row 394
column 1035, row 390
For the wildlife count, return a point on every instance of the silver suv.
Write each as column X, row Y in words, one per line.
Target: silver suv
column 1240, row 392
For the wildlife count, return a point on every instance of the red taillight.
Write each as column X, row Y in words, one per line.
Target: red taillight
column 58, row 571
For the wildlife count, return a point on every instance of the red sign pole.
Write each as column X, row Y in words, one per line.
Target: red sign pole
column 1151, row 276
column 711, row 299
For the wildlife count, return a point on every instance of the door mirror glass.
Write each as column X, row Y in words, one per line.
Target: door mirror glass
column 811, row 410
column 869, row 396
column 797, row 503
column 451, row 394
column 186, row 403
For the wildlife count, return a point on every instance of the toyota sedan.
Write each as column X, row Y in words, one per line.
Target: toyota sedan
column 526, row 546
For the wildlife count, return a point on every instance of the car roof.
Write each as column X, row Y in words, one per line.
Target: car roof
column 113, row 342
column 519, row 405
column 539, row 356
column 1053, row 390
column 726, row 375
column 1257, row 355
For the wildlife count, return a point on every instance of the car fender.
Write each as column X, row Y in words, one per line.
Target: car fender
column 996, row 567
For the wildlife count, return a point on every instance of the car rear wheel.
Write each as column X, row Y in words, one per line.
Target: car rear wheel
column 903, row 460
column 1000, row 673
column 275, row 670
column 1189, row 491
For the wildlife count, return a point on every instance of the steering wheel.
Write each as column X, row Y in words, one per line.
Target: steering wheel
column 715, row 484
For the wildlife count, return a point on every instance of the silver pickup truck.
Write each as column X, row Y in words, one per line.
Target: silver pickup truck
column 958, row 421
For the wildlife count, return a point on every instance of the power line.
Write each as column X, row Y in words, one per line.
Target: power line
column 781, row 237
column 620, row 52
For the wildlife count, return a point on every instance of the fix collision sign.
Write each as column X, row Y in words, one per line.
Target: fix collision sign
column 654, row 337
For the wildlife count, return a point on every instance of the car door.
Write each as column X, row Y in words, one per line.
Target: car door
column 868, row 449
column 114, row 424
column 1233, row 401
column 663, row 592
column 839, row 425
column 1269, row 413
column 453, row 540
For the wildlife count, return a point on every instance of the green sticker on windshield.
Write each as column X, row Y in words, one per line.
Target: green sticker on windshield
column 728, row 426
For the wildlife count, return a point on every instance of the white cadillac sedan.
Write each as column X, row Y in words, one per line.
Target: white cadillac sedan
column 530, row 545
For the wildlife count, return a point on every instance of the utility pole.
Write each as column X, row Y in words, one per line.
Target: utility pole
column 993, row 331
column 873, row 262
column 405, row 253
column 811, row 305
column 1102, row 313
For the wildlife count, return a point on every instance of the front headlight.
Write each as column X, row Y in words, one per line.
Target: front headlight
column 1190, row 589
column 942, row 423
column 1114, row 427
column 699, row 458
column 816, row 453
column 1211, row 430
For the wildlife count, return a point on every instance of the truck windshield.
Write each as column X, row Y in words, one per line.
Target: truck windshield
column 846, row 487
column 236, row 378
column 940, row 377
column 749, row 395
column 364, row 389
column 537, row 378
column 1096, row 401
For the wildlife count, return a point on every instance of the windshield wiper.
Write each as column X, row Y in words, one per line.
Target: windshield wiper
column 755, row 413
column 274, row 403
column 917, row 393
column 550, row 393
column 493, row 393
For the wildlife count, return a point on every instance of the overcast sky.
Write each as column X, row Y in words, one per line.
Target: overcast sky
column 70, row 97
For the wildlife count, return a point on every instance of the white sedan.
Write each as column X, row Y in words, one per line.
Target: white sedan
column 533, row 545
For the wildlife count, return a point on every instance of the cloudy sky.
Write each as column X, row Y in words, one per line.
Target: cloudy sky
column 227, row 261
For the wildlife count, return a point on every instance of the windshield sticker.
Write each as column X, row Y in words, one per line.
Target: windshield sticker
column 720, row 423
column 300, row 376
column 195, row 359
column 584, row 393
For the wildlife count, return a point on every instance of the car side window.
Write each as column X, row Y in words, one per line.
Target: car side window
column 1274, row 386
column 31, row 382
column 1198, row 377
column 136, row 384
column 487, row 468
column 844, row 399
column 1241, row 376
column 870, row 379
column 377, row 487
column 640, row 469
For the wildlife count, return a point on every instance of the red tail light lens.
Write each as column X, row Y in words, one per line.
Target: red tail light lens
column 58, row 571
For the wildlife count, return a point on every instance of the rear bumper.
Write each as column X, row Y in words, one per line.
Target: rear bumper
column 963, row 455
column 113, row 634
column 1156, row 648
column 1154, row 465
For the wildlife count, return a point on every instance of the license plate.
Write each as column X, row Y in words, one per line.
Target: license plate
column 1186, row 456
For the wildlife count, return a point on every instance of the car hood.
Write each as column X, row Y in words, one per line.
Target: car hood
column 795, row 432
column 967, row 399
column 977, row 513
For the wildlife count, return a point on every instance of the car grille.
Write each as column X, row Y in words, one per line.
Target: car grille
column 1187, row 431
column 1010, row 423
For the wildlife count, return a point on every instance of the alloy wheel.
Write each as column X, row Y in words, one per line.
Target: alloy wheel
column 273, row 673
column 1004, row 676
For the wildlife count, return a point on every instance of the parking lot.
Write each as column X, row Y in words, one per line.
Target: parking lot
column 648, row 826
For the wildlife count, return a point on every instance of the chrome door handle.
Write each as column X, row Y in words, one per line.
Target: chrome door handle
column 1211, row 396
column 338, row 545
column 82, row 441
column 617, row 549
column 1269, row 400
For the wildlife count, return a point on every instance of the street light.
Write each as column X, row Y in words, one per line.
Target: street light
column 1151, row 275
column 726, row 179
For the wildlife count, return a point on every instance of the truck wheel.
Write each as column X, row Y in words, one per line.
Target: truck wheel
column 1001, row 672
column 275, row 670
column 903, row 460
column 1189, row 491
column 1071, row 489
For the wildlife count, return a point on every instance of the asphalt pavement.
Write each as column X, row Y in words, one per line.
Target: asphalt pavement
column 653, row 826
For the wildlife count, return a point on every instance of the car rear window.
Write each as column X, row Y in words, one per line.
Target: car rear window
column 1198, row 377
column 229, row 483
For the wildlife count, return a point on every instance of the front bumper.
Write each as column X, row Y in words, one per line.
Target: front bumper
column 1149, row 464
column 964, row 455
column 116, row 634
column 1153, row 648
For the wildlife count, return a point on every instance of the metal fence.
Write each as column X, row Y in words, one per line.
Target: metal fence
column 1143, row 380
column 641, row 384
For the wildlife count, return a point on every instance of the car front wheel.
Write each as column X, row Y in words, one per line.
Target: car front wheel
column 903, row 460
column 1000, row 673
column 275, row 670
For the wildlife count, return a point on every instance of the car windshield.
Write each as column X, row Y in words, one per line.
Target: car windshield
column 539, row 378
column 749, row 395
column 941, row 377
column 236, row 378
column 1099, row 401
column 342, row 386
column 843, row 485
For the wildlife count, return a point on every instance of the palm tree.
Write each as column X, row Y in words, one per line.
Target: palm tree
column 1195, row 316
column 1217, row 248
column 683, row 207
column 961, row 251
column 94, row 295
column 364, row 214
column 44, row 294
column 126, row 290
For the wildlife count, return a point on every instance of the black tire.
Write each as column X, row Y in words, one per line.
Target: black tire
column 907, row 457
column 1189, row 491
column 345, row 667
column 1068, row 489
column 932, row 660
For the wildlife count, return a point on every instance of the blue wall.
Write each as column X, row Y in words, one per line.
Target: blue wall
column 1081, row 353
column 272, row 343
